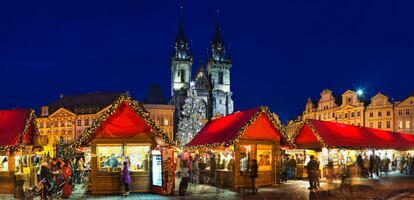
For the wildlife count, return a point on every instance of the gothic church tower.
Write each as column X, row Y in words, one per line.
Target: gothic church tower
column 218, row 67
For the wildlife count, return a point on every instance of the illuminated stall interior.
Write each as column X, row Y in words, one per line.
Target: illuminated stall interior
column 236, row 140
column 125, row 133
column 17, row 142
column 341, row 143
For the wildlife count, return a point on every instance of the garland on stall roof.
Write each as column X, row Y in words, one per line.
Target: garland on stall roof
column 88, row 134
column 319, row 138
column 262, row 109
column 30, row 120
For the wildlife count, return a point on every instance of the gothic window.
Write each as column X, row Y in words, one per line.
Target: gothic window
column 182, row 76
column 221, row 78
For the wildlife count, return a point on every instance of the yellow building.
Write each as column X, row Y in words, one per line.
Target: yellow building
column 404, row 115
column 71, row 115
column 380, row 113
column 163, row 116
column 351, row 110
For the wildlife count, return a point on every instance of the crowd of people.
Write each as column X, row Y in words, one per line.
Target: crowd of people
column 57, row 175
column 375, row 165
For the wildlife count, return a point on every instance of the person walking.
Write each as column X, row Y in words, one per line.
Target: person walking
column 213, row 168
column 254, row 175
column 385, row 165
column 371, row 166
column 126, row 178
column 67, row 174
column 285, row 169
column 377, row 165
column 360, row 164
column 194, row 170
column 311, row 167
column 366, row 166
column 80, row 167
column 202, row 169
column 292, row 168
column 184, row 178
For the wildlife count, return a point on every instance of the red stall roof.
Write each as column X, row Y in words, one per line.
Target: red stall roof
column 17, row 127
column 254, row 124
column 315, row 134
column 124, row 118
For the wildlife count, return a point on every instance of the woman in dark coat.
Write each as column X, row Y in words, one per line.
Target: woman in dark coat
column 253, row 175
column 126, row 178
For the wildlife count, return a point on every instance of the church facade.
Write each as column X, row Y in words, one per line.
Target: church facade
column 211, row 81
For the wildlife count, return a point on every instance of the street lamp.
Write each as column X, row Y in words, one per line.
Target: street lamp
column 360, row 92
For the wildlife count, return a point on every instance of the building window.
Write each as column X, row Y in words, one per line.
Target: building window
column 47, row 124
column 407, row 112
column 41, row 125
column 346, row 115
column 399, row 112
column 400, row 123
column 358, row 114
column 388, row 113
column 371, row 114
column 86, row 122
column 352, row 114
column 407, row 124
column 379, row 114
column 333, row 114
column 79, row 122
column 379, row 125
column 166, row 122
column 340, row 116
column 220, row 78
column 56, row 124
column 371, row 125
column 388, row 124
column 62, row 124
column 359, row 123
column 182, row 76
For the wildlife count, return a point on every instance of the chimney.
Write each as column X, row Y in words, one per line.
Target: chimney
column 45, row 111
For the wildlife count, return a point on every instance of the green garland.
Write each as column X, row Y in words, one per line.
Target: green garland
column 88, row 134
column 262, row 109
column 30, row 121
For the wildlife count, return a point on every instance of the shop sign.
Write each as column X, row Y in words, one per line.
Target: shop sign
column 264, row 157
column 157, row 169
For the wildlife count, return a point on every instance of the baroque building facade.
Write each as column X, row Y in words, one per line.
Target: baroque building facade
column 212, row 81
column 354, row 109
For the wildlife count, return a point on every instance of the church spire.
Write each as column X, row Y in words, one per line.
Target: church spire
column 218, row 51
column 181, row 46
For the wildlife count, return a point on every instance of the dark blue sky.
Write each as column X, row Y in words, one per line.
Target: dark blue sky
column 283, row 51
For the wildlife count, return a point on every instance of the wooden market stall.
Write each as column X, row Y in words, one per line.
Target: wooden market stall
column 239, row 138
column 17, row 142
column 126, row 133
column 340, row 143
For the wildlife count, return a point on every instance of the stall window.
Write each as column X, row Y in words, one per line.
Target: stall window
column 109, row 157
column 4, row 165
column 138, row 157
column 226, row 161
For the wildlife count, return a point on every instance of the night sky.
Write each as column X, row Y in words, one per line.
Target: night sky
column 283, row 51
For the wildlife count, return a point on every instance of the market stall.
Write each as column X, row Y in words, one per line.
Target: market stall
column 126, row 133
column 237, row 139
column 341, row 143
column 17, row 143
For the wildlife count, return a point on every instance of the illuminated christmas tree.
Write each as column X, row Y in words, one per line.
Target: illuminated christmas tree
column 193, row 115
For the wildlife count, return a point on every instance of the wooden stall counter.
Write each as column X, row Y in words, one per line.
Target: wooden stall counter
column 110, row 182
